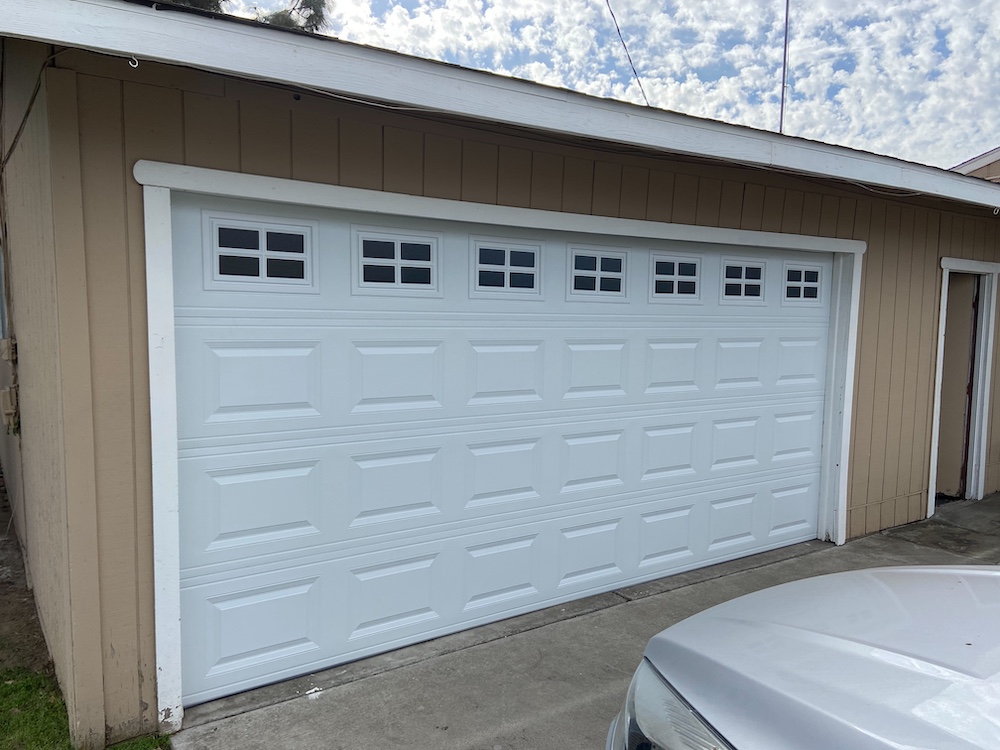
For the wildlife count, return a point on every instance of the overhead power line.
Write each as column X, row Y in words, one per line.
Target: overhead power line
column 629, row 56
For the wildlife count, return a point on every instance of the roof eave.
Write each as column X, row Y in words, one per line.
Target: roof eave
column 325, row 64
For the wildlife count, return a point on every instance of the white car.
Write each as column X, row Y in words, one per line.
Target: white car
column 882, row 658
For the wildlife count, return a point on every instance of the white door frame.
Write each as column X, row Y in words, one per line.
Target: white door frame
column 159, row 179
column 975, row 478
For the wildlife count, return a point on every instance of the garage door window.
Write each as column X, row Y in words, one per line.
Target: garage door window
column 597, row 274
column 390, row 263
column 504, row 268
column 802, row 284
column 246, row 255
column 675, row 278
column 743, row 281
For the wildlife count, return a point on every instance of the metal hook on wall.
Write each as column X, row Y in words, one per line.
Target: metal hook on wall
column 133, row 62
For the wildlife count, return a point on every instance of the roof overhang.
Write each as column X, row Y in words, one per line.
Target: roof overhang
column 257, row 52
column 978, row 162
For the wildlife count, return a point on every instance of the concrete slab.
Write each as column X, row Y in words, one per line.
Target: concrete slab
column 550, row 679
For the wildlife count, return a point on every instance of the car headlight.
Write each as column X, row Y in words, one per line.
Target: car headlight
column 655, row 717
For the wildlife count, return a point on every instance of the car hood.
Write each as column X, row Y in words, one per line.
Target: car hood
column 880, row 658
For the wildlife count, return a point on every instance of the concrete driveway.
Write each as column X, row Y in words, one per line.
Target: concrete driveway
column 553, row 678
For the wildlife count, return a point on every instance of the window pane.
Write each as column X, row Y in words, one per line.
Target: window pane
column 585, row 263
column 522, row 258
column 611, row 285
column 812, row 277
column 379, row 249
column 410, row 275
column 243, row 239
column 492, row 256
column 380, row 274
column 752, row 273
column 414, row 251
column 283, row 242
column 687, row 287
column 794, row 275
column 279, row 268
column 811, row 292
column 687, row 269
column 751, row 290
column 491, row 278
column 664, row 287
column 522, row 280
column 237, row 265
column 611, row 265
column 734, row 272
column 664, row 268
column 793, row 292
column 584, row 283
column 733, row 290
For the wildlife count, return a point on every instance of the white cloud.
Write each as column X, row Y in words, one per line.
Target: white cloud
column 916, row 79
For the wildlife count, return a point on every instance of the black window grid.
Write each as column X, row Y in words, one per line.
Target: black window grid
column 595, row 273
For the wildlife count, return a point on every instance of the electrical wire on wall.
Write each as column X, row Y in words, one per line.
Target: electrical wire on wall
column 627, row 54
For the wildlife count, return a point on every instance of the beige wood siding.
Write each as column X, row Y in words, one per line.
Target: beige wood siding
column 180, row 116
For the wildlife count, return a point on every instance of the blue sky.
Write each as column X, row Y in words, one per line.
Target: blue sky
column 915, row 79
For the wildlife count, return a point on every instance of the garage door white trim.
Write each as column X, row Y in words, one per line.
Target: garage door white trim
column 160, row 179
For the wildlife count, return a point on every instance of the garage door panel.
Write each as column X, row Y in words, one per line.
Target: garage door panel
column 364, row 464
column 275, row 500
column 243, row 380
column 239, row 628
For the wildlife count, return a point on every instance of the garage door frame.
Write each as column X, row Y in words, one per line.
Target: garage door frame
column 159, row 180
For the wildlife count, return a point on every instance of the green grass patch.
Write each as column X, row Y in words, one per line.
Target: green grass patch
column 33, row 716
column 32, row 712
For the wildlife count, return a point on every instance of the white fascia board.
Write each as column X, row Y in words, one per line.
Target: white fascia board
column 977, row 162
column 328, row 65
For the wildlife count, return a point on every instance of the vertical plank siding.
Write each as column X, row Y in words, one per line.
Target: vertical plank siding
column 175, row 116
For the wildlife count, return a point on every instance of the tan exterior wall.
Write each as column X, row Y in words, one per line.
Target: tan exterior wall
column 180, row 116
column 38, row 487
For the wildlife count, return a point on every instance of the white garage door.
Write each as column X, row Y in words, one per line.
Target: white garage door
column 391, row 429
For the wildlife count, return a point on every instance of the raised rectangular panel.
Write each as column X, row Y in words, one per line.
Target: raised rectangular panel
column 668, row 451
column 394, row 486
column 259, row 625
column 592, row 460
column 672, row 366
column 391, row 595
column 499, row 572
column 738, row 363
column 251, row 380
column 391, row 376
column 797, row 436
column 793, row 510
column 595, row 368
column 589, row 552
column 731, row 522
column 665, row 537
column 800, row 361
column 508, row 372
column 734, row 443
column 504, row 472
column 252, row 505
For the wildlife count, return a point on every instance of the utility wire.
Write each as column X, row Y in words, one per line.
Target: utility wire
column 784, row 74
column 629, row 56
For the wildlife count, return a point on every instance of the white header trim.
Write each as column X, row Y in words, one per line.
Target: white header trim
column 329, row 65
column 280, row 190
